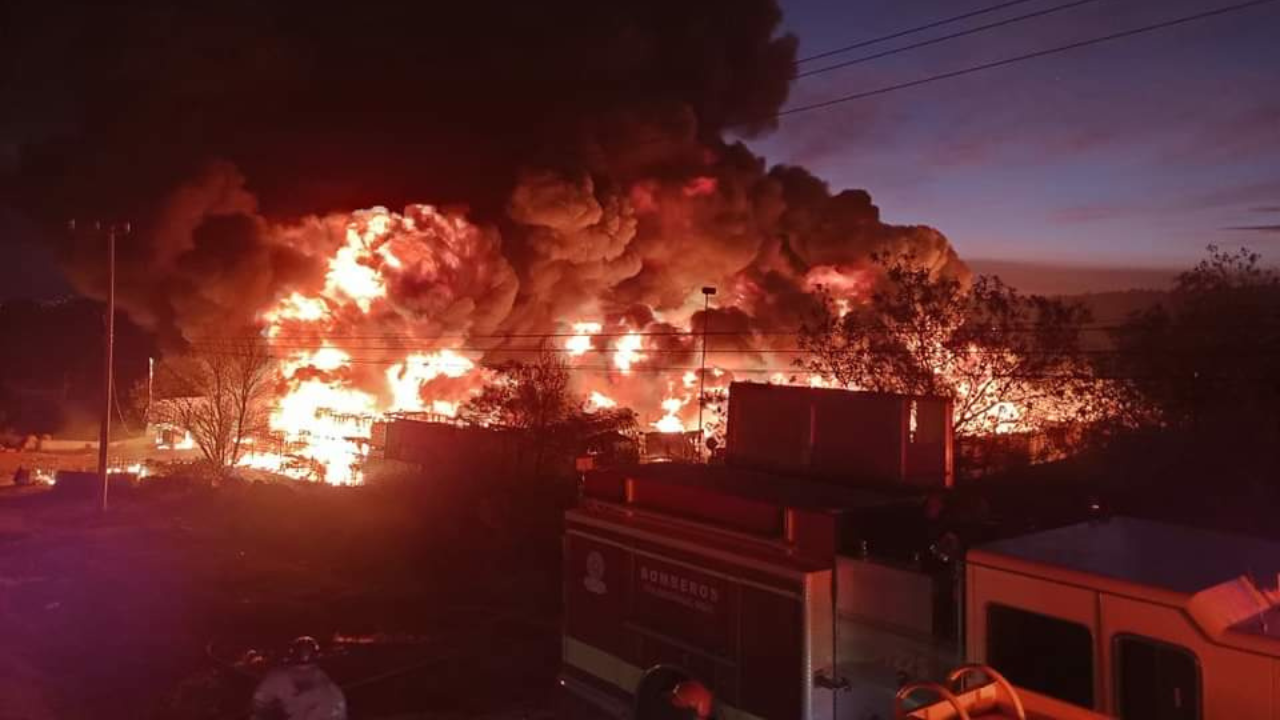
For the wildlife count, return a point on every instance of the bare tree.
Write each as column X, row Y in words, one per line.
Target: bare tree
column 219, row 395
column 1005, row 359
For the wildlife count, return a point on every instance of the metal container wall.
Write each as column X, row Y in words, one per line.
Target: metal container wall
column 840, row 435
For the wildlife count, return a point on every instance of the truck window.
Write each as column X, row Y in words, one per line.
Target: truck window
column 1156, row 680
column 1041, row 653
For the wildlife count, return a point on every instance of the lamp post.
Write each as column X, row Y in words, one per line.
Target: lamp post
column 707, row 292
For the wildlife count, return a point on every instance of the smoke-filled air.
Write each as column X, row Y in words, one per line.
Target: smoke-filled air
column 398, row 204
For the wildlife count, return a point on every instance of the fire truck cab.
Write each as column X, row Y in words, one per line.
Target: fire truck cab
column 1130, row 618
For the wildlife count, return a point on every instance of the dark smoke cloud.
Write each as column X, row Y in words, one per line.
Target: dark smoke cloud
column 331, row 106
column 204, row 260
column 583, row 139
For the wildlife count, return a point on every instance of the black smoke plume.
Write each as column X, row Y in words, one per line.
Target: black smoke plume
column 586, row 139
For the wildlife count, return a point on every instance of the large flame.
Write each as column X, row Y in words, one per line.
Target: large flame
column 386, row 333
column 323, row 419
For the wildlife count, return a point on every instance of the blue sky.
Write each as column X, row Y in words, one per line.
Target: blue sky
column 1136, row 153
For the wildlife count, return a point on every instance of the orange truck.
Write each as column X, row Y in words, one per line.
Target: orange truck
column 1131, row 618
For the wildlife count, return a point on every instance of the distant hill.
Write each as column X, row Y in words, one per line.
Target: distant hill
column 1113, row 308
column 1065, row 279
column 1112, row 295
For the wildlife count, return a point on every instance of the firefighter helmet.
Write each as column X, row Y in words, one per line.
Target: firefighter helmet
column 303, row 650
column 693, row 695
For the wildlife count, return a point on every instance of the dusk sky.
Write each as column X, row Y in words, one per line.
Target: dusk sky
column 1134, row 153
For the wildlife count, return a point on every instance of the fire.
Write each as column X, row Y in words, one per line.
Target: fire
column 700, row 186
column 327, row 358
column 186, row 443
column 407, row 379
column 352, row 276
column 600, row 401
column 389, row 333
column 670, row 422
column 297, row 307
column 322, row 421
column 627, row 352
column 580, row 343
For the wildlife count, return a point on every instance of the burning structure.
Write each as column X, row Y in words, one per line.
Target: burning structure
column 576, row 206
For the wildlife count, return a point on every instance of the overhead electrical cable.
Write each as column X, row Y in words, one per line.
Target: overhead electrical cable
column 911, row 31
column 944, row 38
column 1021, row 58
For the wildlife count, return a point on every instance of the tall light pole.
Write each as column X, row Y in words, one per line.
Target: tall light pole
column 707, row 292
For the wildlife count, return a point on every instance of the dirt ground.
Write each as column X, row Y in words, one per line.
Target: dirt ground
column 430, row 602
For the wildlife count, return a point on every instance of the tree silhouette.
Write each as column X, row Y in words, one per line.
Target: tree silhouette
column 1010, row 362
column 220, row 396
column 534, row 398
column 1205, row 364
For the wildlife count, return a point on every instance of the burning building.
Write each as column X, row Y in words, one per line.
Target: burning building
column 580, row 188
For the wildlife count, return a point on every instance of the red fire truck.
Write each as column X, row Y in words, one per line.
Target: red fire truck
column 811, row 575
column 733, row 573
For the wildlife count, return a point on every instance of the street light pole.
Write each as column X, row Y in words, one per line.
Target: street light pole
column 707, row 292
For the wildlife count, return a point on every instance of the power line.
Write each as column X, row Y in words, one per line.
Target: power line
column 646, row 353
column 796, row 372
column 1021, row 58
column 911, row 31
column 766, row 350
column 944, row 38
column 323, row 337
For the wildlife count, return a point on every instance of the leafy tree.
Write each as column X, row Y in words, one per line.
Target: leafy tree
column 221, row 396
column 1205, row 364
column 533, row 397
column 1008, row 361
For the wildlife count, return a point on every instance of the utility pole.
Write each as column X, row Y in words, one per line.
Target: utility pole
column 108, row 352
column 707, row 292
column 151, row 376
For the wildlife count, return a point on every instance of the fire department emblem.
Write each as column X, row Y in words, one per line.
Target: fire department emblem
column 594, row 580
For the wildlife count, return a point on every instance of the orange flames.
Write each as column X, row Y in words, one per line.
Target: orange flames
column 324, row 416
column 350, row 353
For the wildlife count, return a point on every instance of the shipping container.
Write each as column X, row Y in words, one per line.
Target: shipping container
column 847, row 437
column 448, row 450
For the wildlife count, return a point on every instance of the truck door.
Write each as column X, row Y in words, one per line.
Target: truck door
column 1157, row 680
